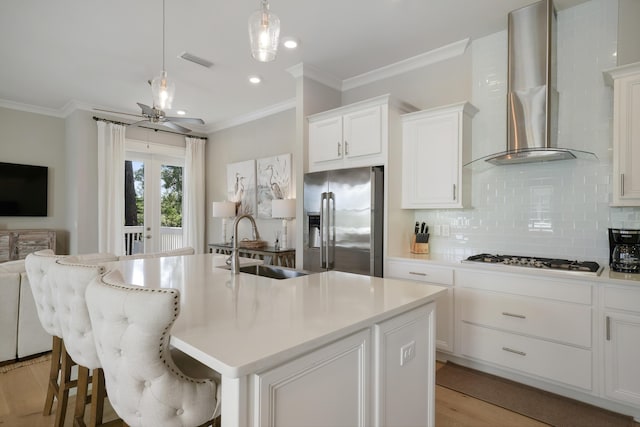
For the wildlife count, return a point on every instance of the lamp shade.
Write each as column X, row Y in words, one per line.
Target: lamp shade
column 224, row 209
column 283, row 208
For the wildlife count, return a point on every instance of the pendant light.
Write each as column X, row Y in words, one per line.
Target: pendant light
column 264, row 31
column 162, row 87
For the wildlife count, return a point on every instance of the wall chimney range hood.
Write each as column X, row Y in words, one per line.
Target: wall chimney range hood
column 532, row 98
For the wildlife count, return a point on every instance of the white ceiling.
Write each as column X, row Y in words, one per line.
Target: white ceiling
column 101, row 53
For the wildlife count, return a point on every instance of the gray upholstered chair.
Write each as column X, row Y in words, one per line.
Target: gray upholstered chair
column 131, row 327
column 38, row 265
column 69, row 278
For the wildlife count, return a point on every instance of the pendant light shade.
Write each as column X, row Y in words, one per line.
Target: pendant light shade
column 264, row 31
column 162, row 88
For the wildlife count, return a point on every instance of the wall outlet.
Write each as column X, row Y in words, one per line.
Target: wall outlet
column 407, row 352
column 445, row 230
column 437, row 230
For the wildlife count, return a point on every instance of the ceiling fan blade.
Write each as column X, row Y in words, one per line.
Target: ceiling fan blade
column 176, row 127
column 117, row 112
column 138, row 123
column 146, row 110
column 193, row 120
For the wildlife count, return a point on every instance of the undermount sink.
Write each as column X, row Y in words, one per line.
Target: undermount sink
column 272, row 271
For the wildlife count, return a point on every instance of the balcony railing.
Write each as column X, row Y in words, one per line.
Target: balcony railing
column 170, row 238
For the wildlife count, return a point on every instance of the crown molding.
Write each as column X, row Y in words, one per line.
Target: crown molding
column 12, row 105
column 424, row 59
column 308, row 71
column 254, row 115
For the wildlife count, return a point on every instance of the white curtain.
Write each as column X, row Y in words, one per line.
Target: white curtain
column 193, row 194
column 111, row 149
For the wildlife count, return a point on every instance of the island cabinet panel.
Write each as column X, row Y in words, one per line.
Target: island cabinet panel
column 404, row 369
column 621, row 344
column 535, row 326
column 328, row 387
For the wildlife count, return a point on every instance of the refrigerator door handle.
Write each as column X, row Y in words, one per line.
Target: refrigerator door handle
column 331, row 231
column 323, row 246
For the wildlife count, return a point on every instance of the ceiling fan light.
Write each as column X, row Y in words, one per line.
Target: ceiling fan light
column 163, row 90
column 264, row 32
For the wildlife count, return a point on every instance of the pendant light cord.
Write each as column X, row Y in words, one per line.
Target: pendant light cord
column 163, row 31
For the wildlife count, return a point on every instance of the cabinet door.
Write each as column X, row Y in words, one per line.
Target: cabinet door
column 626, row 141
column 325, row 141
column 431, row 148
column 329, row 386
column 363, row 133
column 444, row 302
column 622, row 356
column 27, row 242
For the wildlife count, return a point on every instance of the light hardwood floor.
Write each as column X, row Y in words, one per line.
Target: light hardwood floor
column 22, row 393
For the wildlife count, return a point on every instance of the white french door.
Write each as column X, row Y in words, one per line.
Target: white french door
column 153, row 212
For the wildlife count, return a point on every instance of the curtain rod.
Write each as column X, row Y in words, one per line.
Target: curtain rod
column 100, row 119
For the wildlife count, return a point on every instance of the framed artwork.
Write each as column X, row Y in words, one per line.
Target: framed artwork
column 241, row 186
column 274, row 181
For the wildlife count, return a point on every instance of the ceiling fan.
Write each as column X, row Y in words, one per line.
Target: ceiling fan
column 158, row 117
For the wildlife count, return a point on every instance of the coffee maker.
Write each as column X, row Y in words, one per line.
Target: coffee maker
column 624, row 250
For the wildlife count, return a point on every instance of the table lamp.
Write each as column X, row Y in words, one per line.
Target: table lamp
column 224, row 210
column 285, row 209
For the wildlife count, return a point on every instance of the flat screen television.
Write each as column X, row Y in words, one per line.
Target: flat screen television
column 23, row 190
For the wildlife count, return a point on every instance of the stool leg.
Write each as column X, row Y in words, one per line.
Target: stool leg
column 81, row 396
column 54, row 370
column 63, row 388
column 98, row 394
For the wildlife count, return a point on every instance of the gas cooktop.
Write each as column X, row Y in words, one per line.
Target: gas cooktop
column 564, row 265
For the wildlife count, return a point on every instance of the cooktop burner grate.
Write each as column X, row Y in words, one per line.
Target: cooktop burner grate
column 542, row 263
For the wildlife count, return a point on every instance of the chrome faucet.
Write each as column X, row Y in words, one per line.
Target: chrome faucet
column 235, row 261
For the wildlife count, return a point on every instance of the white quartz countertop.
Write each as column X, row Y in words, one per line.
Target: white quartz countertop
column 607, row 276
column 239, row 324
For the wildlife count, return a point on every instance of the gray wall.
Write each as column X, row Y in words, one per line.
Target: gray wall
column 628, row 31
column 36, row 139
column 265, row 137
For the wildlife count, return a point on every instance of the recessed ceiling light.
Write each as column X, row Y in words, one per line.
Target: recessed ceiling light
column 290, row 43
column 181, row 112
column 254, row 79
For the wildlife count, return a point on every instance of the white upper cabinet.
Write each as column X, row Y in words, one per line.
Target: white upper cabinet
column 626, row 134
column 436, row 144
column 350, row 136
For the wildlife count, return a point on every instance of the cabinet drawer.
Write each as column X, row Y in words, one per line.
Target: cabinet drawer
column 557, row 321
column 526, row 285
column 556, row 362
column 622, row 299
column 420, row 271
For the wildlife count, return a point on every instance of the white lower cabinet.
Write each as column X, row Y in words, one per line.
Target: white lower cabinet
column 530, row 325
column 402, row 371
column 336, row 378
column 383, row 375
column 442, row 276
column 622, row 344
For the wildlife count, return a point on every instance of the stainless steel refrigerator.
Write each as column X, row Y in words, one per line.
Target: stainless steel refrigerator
column 343, row 220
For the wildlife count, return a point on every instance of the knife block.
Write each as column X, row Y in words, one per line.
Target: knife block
column 418, row 248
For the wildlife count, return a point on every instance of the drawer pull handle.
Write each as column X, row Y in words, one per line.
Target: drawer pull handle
column 415, row 273
column 519, row 316
column 510, row 350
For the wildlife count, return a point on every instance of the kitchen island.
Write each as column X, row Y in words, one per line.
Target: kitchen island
column 325, row 349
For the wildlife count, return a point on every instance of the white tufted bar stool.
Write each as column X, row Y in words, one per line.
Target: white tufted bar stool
column 38, row 265
column 131, row 327
column 70, row 277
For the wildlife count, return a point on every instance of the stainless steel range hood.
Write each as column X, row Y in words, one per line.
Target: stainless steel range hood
column 532, row 98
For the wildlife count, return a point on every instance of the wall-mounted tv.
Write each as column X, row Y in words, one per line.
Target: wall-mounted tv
column 23, row 190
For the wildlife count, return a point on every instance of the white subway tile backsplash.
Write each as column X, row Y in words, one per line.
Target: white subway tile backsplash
column 545, row 209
